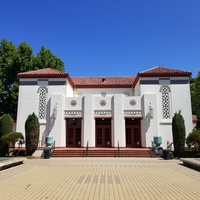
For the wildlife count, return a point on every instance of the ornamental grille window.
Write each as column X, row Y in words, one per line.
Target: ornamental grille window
column 165, row 90
column 42, row 102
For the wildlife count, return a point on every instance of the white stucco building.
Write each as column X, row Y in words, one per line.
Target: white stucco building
column 105, row 111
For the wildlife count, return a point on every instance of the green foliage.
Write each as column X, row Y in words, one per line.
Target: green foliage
column 32, row 133
column 7, row 76
column 14, row 60
column 12, row 138
column 24, row 59
column 193, row 139
column 6, row 124
column 195, row 96
column 178, row 131
column 45, row 59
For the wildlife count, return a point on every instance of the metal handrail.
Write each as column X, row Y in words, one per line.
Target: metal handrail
column 54, row 145
column 118, row 150
column 87, row 149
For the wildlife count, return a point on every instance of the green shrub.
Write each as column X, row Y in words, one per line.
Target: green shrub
column 178, row 131
column 12, row 138
column 32, row 133
column 6, row 126
column 193, row 139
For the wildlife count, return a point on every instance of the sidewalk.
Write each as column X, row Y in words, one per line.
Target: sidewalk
column 100, row 178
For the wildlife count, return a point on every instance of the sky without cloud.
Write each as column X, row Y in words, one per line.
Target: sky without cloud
column 108, row 37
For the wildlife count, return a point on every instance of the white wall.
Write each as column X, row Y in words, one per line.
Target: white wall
column 149, row 126
column 179, row 100
column 57, row 126
column 137, row 89
column 27, row 104
column 116, row 104
column 109, row 91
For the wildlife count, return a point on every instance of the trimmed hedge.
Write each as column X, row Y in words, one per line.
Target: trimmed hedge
column 178, row 131
column 6, row 126
column 32, row 133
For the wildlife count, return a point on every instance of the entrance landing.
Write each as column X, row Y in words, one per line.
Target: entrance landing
column 102, row 152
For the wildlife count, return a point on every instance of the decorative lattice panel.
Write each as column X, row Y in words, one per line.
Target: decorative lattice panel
column 165, row 102
column 103, row 94
column 42, row 102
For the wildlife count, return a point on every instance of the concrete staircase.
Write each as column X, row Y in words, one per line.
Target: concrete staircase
column 102, row 152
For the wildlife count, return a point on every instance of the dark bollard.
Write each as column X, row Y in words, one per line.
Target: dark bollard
column 47, row 152
column 166, row 154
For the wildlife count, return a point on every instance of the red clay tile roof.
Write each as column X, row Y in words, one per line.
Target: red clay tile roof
column 43, row 73
column 91, row 82
column 95, row 82
column 162, row 71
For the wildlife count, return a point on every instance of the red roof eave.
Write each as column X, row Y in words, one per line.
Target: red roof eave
column 42, row 75
column 70, row 81
column 186, row 74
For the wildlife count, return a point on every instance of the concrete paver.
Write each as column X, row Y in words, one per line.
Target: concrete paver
column 99, row 178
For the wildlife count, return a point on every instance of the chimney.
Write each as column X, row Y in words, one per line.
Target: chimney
column 103, row 79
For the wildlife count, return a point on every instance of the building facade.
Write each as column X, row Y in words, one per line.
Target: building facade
column 105, row 111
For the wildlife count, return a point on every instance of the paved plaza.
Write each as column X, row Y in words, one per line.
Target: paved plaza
column 99, row 178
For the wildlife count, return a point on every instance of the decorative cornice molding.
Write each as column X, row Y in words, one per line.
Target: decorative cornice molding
column 102, row 112
column 73, row 112
column 133, row 112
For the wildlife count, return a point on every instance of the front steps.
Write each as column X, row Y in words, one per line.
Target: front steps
column 102, row 152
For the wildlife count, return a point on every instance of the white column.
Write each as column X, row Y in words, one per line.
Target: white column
column 118, row 121
column 88, row 121
column 149, row 127
column 56, row 125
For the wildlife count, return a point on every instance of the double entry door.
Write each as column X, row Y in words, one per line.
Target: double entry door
column 73, row 132
column 133, row 136
column 103, row 132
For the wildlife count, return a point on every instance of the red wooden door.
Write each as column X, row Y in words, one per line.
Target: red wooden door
column 133, row 136
column 73, row 133
column 103, row 132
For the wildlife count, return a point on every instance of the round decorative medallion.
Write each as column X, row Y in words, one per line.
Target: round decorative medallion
column 73, row 102
column 102, row 102
column 132, row 102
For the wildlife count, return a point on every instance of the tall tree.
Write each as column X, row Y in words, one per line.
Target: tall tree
column 45, row 59
column 15, row 60
column 195, row 96
column 25, row 58
column 7, row 76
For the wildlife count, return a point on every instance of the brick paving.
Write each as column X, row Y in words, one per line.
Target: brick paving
column 99, row 178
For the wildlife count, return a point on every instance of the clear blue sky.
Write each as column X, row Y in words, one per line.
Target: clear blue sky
column 108, row 37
